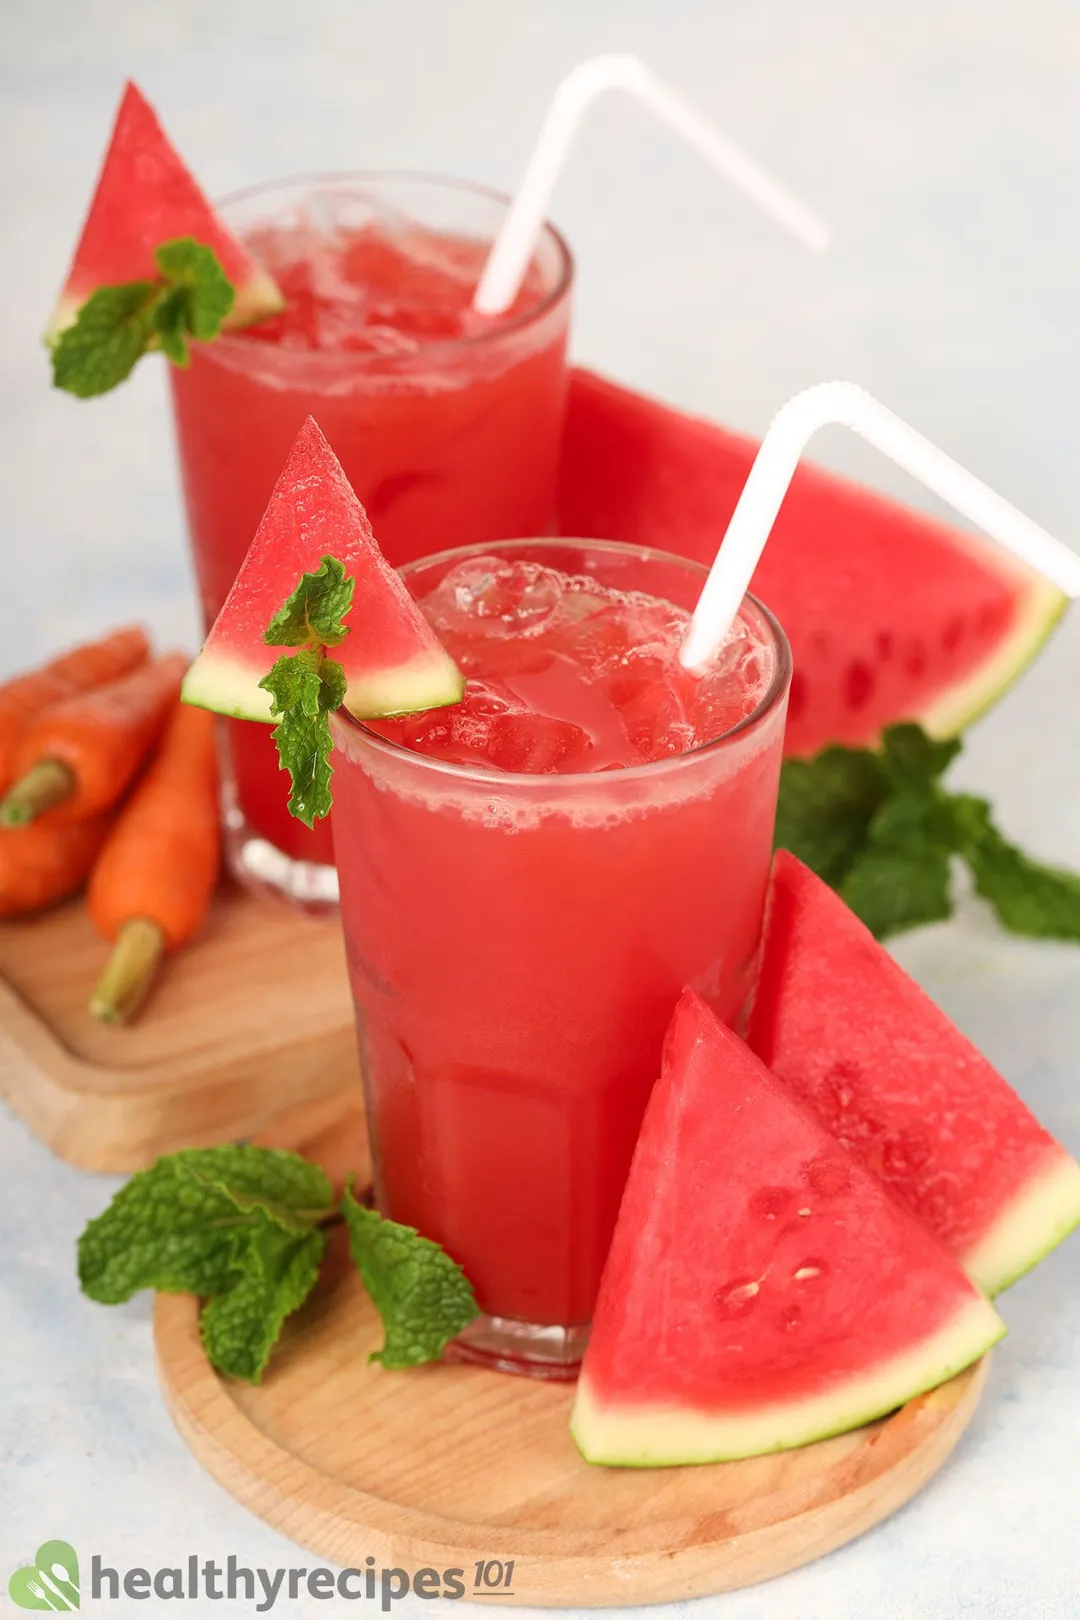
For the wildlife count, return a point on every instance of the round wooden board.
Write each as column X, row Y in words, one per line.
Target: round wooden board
column 446, row 1465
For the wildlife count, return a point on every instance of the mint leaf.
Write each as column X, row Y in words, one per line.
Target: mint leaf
column 911, row 759
column 170, row 325
column 114, row 327
column 240, row 1326
column 1041, row 902
column 901, row 879
column 164, row 1229
column 201, row 294
column 315, row 610
column 304, row 688
column 182, row 1225
column 284, row 1186
column 893, row 890
column 423, row 1298
column 825, row 808
column 881, row 829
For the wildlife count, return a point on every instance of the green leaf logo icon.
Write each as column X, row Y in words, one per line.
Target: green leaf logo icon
column 51, row 1582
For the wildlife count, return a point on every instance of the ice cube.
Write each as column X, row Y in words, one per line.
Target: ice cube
column 537, row 744
column 489, row 596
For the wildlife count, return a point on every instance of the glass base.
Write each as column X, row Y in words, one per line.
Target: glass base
column 527, row 1348
column 262, row 869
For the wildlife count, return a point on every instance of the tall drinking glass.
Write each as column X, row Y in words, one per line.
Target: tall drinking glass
column 446, row 423
column 516, row 945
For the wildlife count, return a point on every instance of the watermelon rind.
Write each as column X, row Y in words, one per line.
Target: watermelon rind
column 960, row 705
column 431, row 681
column 256, row 298
column 658, row 1436
column 1033, row 1223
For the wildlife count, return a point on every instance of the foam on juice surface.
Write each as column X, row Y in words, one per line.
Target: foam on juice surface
column 565, row 675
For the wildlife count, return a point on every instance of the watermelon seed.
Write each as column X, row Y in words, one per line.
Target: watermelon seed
column 808, row 1270
column 915, row 662
column 736, row 1297
column 769, row 1202
column 952, row 635
column 859, row 684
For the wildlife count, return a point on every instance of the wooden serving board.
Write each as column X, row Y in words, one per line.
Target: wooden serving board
column 251, row 1019
column 445, row 1466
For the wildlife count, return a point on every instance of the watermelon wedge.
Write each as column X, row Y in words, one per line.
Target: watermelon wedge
column 393, row 661
column 891, row 615
column 146, row 195
column 857, row 1041
column 763, row 1289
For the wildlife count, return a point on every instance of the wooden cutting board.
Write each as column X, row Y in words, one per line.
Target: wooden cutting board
column 253, row 1018
column 454, row 1467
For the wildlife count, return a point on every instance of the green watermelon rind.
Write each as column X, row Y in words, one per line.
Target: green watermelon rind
column 256, row 298
column 228, row 687
column 1032, row 1223
column 655, row 1436
column 958, row 706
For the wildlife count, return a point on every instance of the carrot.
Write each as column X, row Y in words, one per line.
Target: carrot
column 80, row 670
column 80, row 755
column 47, row 861
column 152, row 885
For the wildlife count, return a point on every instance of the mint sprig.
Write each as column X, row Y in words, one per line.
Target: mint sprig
column 117, row 325
column 246, row 1229
column 424, row 1299
column 306, row 686
column 880, row 827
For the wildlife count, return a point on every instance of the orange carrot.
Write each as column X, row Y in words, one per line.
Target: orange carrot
column 77, row 671
column 80, row 755
column 152, row 886
column 46, row 862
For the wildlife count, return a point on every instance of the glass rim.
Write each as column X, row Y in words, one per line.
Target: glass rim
column 648, row 769
column 240, row 340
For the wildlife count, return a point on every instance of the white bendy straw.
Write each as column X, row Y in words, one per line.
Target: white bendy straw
column 515, row 244
column 844, row 404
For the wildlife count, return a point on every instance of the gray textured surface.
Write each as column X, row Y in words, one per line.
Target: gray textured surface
column 940, row 141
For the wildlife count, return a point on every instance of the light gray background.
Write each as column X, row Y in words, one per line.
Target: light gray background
column 940, row 139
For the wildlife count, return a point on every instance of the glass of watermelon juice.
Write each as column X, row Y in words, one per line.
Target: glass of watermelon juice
column 528, row 880
column 447, row 423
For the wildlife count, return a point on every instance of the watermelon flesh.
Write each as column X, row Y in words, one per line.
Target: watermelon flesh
column 856, row 1040
column 891, row 615
column 392, row 659
column 763, row 1289
column 145, row 196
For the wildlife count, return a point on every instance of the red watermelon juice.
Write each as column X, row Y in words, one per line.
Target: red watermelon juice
column 447, row 423
column 528, row 880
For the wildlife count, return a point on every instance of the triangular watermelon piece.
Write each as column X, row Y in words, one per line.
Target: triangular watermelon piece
column 845, row 1028
column 393, row 660
column 891, row 614
column 763, row 1289
column 146, row 195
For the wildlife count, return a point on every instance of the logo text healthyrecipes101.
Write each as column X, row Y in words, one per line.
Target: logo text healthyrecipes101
column 51, row 1582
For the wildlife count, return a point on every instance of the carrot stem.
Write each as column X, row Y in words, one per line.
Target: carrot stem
column 46, row 784
column 131, row 969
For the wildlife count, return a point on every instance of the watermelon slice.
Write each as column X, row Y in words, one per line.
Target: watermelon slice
column 763, row 1289
column 393, row 661
column 891, row 615
column 145, row 196
column 841, row 1024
